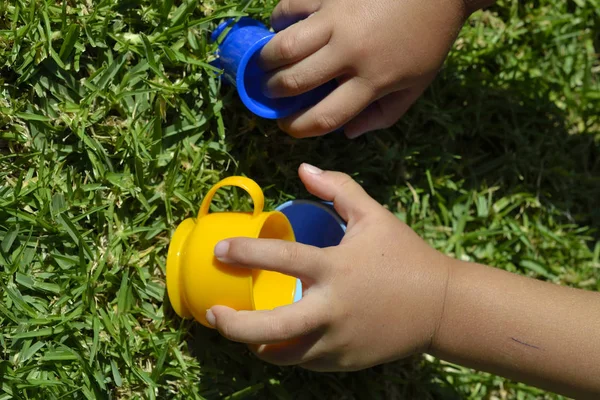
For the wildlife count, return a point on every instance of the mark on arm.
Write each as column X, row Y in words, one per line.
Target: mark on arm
column 524, row 344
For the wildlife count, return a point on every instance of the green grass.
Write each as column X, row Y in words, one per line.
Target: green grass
column 112, row 128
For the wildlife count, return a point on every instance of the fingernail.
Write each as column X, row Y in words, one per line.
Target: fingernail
column 221, row 250
column 311, row 169
column 210, row 317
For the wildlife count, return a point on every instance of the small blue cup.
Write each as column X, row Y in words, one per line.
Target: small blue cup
column 238, row 57
column 314, row 223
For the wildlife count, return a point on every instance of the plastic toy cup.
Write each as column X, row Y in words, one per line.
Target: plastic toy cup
column 238, row 57
column 196, row 280
column 314, row 223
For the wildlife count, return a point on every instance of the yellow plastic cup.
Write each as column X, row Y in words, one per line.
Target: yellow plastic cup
column 196, row 280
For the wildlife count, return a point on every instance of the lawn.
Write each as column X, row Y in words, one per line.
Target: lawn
column 113, row 127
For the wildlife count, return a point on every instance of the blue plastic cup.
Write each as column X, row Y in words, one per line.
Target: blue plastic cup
column 238, row 57
column 314, row 223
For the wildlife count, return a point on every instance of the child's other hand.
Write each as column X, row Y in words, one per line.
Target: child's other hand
column 384, row 54
column 376, row 297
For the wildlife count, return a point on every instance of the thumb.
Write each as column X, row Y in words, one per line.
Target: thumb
column 348, row 197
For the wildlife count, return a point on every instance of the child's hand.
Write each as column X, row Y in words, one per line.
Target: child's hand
column 376, row 297
column 384, row 54
column 384, row 294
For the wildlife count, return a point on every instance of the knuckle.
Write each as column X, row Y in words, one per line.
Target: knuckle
column 277, row 329
column 346, row 181
column 369, row 86
column 305, row 324
column 284, row 7
column 287, row 47
column 291, row 82
column 326, row 122
column 311, row 323
column 290, row 254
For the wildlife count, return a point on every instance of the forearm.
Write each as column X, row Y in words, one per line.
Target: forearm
column 521, row 328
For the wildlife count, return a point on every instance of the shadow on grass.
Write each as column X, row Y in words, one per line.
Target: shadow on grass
column 513, row 138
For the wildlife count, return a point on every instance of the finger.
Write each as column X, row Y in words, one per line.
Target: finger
column 272, row 326
column 295, row 43
column 331, row 113
column 349, row 199
column 296, row 351
column 288, row 12
column 384, row 112
column 307, row 74
column 290, row 258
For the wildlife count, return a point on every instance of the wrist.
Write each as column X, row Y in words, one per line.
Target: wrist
column 449, row 266
column 463, row 289
column 474, row 5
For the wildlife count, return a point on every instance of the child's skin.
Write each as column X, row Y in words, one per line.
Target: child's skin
column 384, row 294
column 383, row 53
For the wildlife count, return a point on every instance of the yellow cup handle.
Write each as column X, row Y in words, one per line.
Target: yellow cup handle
column 247, row 184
